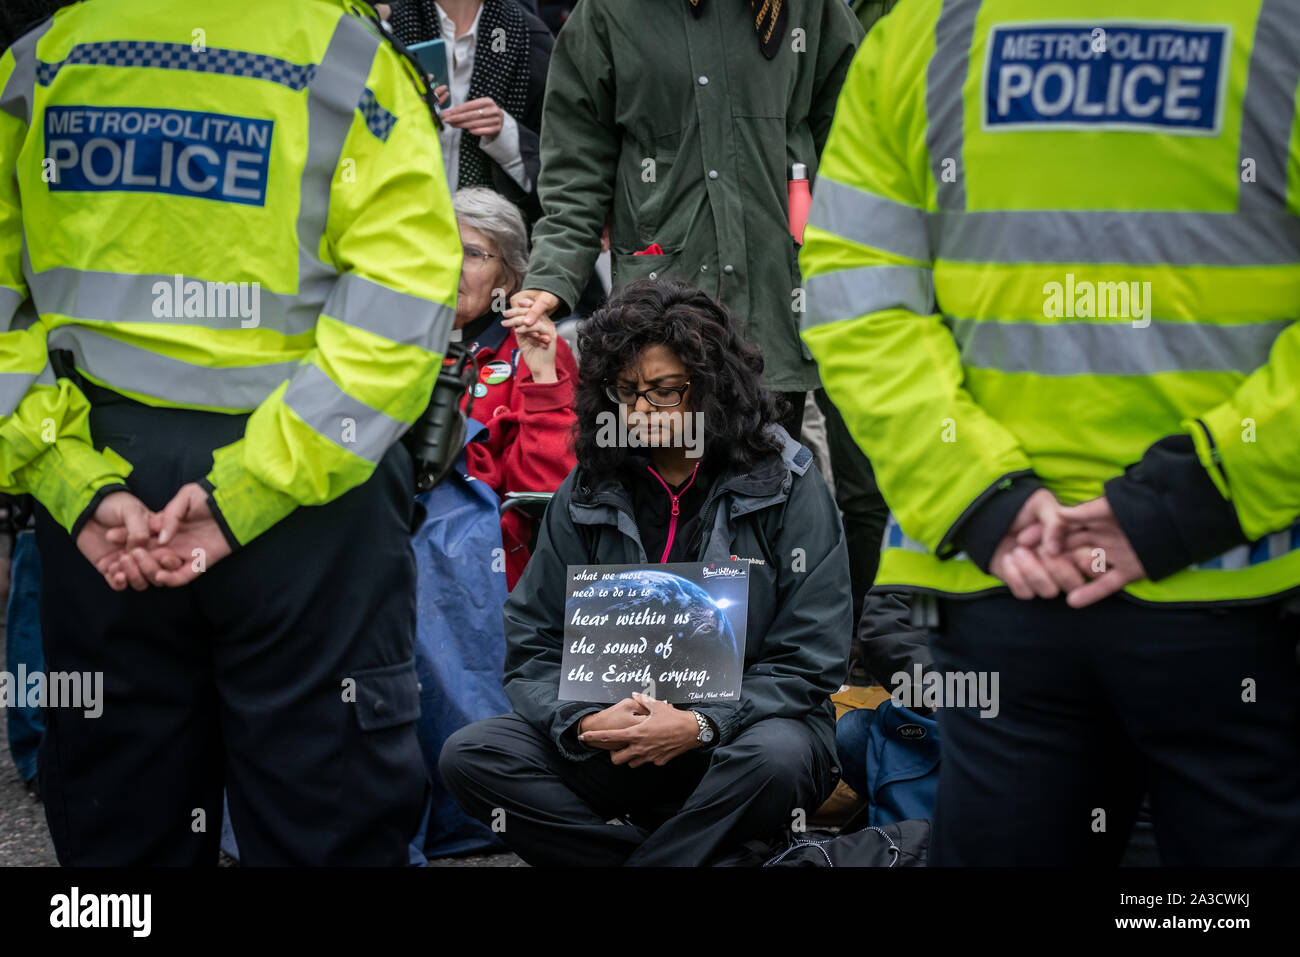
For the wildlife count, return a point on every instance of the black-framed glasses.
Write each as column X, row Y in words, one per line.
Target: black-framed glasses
column 661, row 396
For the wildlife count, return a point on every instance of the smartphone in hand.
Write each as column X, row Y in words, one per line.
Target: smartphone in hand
column 432, row 57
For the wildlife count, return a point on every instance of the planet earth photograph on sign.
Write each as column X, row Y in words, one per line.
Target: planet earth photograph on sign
column 665, row 632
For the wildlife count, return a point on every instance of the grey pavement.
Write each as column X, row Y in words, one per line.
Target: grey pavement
column 24, row 838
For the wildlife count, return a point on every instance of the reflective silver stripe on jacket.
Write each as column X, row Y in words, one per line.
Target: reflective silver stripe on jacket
column 16, row 315
column 121, row 297
column 868, row 219
column 17, row 99
column 1114, row 348
column 345, row 421
column 944, row 106
column 1125, row 238
column 848, row 293
column 332, row 98
column 1010, row 237
column 19, row 94
column 1270, row 106
column 410, row 320
column 126, row 297
column 10, row 300
column 127, row 368
column 15, row 385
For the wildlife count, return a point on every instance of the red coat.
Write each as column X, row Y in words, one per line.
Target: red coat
column 528, row 446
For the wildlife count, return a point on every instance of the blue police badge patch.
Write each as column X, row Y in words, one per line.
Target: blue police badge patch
column 142, row 149
column 1148, row 76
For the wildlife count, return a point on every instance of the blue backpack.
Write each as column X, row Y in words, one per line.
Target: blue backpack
column 890, row 756
column 460, row 641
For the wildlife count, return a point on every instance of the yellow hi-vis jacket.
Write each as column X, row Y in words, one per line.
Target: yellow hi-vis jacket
column 238, row 208
column 1046, row 235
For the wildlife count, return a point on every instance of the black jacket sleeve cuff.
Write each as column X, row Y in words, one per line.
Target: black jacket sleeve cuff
column 88, row 512
column 1170, row 509
column 218, row 517
column 889, row 639
column 567, row 740
column 982, row 527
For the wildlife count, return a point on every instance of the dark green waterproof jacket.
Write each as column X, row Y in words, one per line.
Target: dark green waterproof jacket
column 800, row 621
column 678, row 131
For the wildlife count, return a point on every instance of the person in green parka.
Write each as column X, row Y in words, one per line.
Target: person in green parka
column 869, row 11
column 677, row 124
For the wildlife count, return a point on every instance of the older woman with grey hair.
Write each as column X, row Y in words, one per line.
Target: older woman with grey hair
column 524, row 392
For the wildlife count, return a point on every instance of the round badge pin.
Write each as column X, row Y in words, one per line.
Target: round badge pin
column 480, row 390
column 495, row 372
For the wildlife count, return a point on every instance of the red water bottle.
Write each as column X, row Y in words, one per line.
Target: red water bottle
column 799, row 200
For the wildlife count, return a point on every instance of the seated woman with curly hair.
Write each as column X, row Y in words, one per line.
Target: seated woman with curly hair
column 689, row 783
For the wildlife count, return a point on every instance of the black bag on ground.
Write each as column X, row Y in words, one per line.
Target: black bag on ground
column 905, row 844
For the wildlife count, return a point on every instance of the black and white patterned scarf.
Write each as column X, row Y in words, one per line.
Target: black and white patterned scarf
column 501, row 67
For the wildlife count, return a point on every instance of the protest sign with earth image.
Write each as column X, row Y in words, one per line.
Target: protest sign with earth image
column 674, row 631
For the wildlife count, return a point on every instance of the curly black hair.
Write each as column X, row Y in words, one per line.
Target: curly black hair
column 724, row 366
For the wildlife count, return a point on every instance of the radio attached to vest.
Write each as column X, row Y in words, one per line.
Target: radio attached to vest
column 438, row 434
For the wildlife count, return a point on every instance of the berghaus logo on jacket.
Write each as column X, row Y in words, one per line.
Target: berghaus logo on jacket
column 1154, row 76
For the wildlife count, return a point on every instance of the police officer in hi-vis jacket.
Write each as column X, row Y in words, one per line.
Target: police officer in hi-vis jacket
column 1053, row 272
column 228, row 268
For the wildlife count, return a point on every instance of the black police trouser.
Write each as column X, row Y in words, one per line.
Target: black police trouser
column 238, row 679
column 859, row 500
column 860, row 503
column 1200, row 706
column 553, row 811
